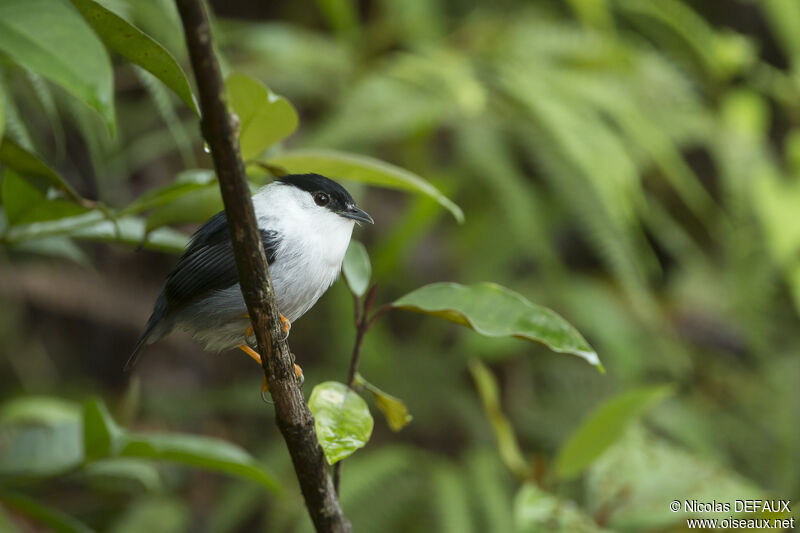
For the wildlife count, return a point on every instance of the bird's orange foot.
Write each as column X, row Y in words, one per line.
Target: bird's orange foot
column 285, row 326
column 265, row 386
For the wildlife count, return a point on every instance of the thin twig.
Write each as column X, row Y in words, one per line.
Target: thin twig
column 293, row 417
column 363, row 324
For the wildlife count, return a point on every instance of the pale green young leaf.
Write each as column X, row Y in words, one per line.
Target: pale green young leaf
column 51, row 39
column 130, row 42
column 495, row 311
column 341, row 419
column 265, row 118
column 343, row 165
column 507, row 443
column 356, row 268
column 393, row 408
column 603, row 427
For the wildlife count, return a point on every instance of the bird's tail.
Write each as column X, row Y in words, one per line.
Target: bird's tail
column 159, row 310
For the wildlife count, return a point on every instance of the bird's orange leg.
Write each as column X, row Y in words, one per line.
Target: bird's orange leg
column 257, row 358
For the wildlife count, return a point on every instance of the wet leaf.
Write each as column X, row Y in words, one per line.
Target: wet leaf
column 341, row 419
column 265, row 118
column 495, row 311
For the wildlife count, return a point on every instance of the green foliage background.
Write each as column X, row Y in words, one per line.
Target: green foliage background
column 632, row 164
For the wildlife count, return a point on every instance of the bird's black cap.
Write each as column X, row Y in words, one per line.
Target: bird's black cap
column 338, row 199
column 314, row 183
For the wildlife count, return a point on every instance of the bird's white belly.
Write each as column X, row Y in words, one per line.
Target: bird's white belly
column 301, row 273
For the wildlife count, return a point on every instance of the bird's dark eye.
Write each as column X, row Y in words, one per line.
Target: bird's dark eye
column 322, row 199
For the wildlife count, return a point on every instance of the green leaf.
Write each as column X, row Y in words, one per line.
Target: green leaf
column 51, row 39
column 395, row 411
column 159, row 513
column 101, row 435
column 39, row 410
column 265, row 118
column 538, row 511
column 60, row 247
column 93, row 226
column 41, row 437
column 194, row 450
column 104, row 438
column 356, row 268
column 495, row 311
column 54, row 519
column 130, row 42
column 186, row 182
column 343, row 165
column 635, row 479
column 121, row 475
column 603, row 427
column 28, row 165
column 341, row 419
column 18, row 196
column 507, row 443
column 190, row 204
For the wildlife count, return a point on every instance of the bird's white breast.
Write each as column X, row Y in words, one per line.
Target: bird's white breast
column 312, row 244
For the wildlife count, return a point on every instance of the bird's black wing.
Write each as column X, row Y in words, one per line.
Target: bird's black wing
column 208, row 264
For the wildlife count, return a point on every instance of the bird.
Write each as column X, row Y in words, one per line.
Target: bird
column 305, row 221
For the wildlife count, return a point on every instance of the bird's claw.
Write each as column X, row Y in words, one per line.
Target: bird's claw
column 286, row 326
column 298, row 372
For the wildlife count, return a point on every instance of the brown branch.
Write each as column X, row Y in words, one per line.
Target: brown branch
column 293, row 417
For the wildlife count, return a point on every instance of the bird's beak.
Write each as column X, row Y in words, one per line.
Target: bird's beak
column 359, row 215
